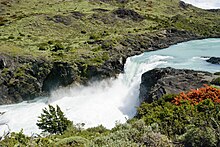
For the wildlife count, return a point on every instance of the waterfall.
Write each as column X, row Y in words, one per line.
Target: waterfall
column 112, row 100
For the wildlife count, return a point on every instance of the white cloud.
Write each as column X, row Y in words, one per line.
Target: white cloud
column 205, row 4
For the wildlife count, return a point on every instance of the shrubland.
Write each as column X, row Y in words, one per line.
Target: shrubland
column 160, row 123
column 86, row 30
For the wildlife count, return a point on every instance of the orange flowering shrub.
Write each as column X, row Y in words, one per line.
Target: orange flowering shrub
column 195, row 96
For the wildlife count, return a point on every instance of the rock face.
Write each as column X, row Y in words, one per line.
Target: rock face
column 160, row 81
column 25, row 78
column 21, row 78
column 62, row 74
column 137, row 44
column 214, row 60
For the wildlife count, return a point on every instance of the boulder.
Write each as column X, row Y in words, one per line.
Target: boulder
column 160, row 81
column 2, row 63
column 214, row 60
column 183, row 5
column 128, row 14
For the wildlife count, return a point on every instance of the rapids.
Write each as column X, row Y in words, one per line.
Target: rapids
column 113, row 100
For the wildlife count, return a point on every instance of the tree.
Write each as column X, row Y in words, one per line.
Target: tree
column 52, row 120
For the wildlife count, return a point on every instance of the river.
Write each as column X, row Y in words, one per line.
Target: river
column 112, row 100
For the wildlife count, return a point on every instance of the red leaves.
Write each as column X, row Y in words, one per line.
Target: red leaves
column 195, row 96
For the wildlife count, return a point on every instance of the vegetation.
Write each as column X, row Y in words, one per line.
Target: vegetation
column 216, row 81
column 69, row 30
column 87, row 33
column 91, row 37
column 196, row 96
column 53, row 121
column 161, row 123
column 191, row 118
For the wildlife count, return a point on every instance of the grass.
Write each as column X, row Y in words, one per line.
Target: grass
column 80, row 26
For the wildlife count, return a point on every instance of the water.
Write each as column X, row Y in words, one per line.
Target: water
column 111, row 100
column 204, row 4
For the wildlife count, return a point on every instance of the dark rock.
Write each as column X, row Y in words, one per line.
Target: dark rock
column 62, row 74
column 128, row 14
column 216, row 81
column 100, row 10
column 160, row 81
column 214, row 60
column 122, row 1
column 183, row 5
column 217, row 73
column 118, row 1
column 66, row 20
column 2, row 63
column 77, row 15
column 146, row 42
column 213, row 10
column 109, row 69
column 22, row 79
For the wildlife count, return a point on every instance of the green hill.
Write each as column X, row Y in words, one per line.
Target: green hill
column 79, row 27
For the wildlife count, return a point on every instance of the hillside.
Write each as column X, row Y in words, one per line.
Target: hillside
column 47, row 44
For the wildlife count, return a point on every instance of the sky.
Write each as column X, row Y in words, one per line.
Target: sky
column 205, row 4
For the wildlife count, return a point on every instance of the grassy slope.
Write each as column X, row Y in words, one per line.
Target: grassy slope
column 29, row 25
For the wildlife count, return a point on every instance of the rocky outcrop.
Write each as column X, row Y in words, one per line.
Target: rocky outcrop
column 183, row 5
column 157, row 82
column 25, row 78
column 62, row 74
column 214, row 60
column 128, row 14
column 21, row 78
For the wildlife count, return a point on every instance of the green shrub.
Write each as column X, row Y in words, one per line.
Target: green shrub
column 11, row 37
column 16, row 139
column 57, row 47
column 217, row 73
column 53, row 121
column 173, row 120
column 216, row 81
column 133, row 134
column 75, row 141
column 95, row 36
column 200, row 137
column 153, row 139
column 98, row 129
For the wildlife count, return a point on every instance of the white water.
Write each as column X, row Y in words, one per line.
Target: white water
column 204, row 4
column 111, row 100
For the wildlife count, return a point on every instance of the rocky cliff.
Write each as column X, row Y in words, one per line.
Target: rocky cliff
column 160, row 81
column 25, row 78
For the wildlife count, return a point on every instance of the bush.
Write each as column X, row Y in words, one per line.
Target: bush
column 217, row 73
column 133, row 134
column 16, row 139
column 216, row 81
column 200, row 137
column 196, row 96
column 199, row 108
column 53, row 121
column 72, row 141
